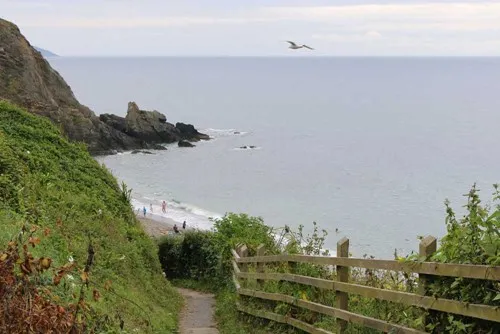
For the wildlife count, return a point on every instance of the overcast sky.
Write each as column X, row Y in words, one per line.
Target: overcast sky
column 260, row 27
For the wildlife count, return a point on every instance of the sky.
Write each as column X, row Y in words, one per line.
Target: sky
column 258, row 27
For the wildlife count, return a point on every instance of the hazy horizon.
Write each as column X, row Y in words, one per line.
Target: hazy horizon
column 259, row 28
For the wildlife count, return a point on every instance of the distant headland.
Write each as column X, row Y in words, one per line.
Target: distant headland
column 45, row 53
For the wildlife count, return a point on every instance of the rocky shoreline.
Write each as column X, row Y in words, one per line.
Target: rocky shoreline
column 28, row 80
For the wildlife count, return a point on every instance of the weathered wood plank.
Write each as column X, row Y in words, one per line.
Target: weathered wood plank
column 331, row 311
column 485, row 312
column 429, row 268
column 478, row 311
column 236, row 269
column 311, row 281
column 236, row 283
column 283, row 319
column 235, row 254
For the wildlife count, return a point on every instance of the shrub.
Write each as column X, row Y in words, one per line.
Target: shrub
column 192, row 255
column 472, row 239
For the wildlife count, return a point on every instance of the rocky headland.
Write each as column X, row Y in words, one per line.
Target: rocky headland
column 28, row 80
column 151, row 127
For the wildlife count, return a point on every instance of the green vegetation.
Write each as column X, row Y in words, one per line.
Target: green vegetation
column 472, row 239
column 201, row 260
column 49, row 183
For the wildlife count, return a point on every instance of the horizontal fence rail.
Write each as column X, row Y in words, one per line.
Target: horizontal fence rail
column 428, row 268
column 332, row 311
column 445, row 305
column 342, row 288
column 283, row 319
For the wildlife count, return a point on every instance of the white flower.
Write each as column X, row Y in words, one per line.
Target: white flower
column 28, row 152
column 122, row 257
column 70, row 259
column 70, row 277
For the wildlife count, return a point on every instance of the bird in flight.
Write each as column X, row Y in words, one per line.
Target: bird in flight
column 295, row 46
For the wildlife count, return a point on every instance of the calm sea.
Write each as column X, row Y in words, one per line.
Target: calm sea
column 369, row 146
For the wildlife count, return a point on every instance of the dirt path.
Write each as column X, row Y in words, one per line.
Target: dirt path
column 197, row 317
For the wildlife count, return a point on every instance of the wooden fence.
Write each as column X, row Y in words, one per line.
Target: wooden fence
column 342, row 287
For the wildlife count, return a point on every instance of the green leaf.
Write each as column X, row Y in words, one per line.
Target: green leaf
column 455, row 284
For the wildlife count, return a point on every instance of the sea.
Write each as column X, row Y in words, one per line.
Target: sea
column 368, row 148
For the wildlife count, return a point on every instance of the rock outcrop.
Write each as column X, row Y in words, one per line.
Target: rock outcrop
column 188, row 132
column 114, row 121
column 29, row 81
column 185, row 143
column 151, row 126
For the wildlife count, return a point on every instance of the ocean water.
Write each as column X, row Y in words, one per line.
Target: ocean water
column 369, row 148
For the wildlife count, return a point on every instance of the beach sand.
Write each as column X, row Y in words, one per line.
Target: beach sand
column 159, row 226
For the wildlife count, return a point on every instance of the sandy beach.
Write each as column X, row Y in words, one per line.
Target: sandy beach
column 159, row 226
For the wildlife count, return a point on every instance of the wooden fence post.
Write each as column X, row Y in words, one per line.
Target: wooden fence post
column 342, row 276
column 243, row 253
column 427, row 247
column 237, row 248
column 261, row 251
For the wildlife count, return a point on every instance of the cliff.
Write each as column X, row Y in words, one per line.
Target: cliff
column 29, row 81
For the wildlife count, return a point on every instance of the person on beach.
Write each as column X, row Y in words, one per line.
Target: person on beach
column 151, row 207
column 184, row 225
column 176, row 230
column 144, row 211
column 164, row 207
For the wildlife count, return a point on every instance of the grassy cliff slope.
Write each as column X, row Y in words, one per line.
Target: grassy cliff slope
column 49, row 182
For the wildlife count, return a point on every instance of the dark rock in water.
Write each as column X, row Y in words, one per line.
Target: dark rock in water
column 156, row 147
column 188, row 132
column 185, row 143
column 248, row 147
column 140, row 151
column 150, row 126
column 236, row 132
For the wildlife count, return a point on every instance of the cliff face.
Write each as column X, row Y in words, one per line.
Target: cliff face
column 29, row 81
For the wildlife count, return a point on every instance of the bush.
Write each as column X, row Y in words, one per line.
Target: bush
column 472, row 239
column 192, row 255
column 206, row 255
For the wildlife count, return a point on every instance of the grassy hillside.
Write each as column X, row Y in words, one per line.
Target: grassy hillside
column 49, row 182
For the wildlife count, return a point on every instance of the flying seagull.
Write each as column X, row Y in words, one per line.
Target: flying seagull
column 295, row 46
